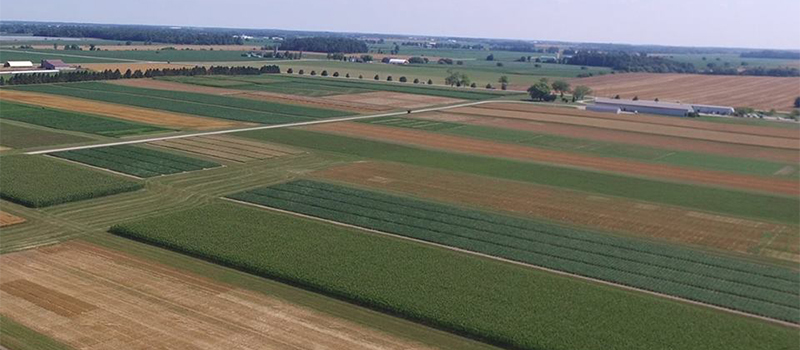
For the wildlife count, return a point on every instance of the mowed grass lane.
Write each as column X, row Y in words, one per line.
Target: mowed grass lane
column 760, row 206
column 136, row 161
column 598, row 148
column 38, row 181
column 213, row 106
column 762, row 290
column 64, row 120
column 508, row 305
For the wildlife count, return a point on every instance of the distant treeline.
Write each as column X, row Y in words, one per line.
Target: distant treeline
column 788, row 55
column 756, row 71
column 124, row 33
column 84, row 75
column 626, row 62
column 325, row 44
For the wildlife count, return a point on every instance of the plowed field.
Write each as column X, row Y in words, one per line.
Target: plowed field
column 494, row 149
column 394, row 99
column 143, row 115
column 736, row 91
column 636, row 218
column 227, row 148
column 93, row 298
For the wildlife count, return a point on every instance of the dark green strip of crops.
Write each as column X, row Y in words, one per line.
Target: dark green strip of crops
column 647, row 266
column 136, row 161
column 505, row 304
column 753, row 205
column 64, row 120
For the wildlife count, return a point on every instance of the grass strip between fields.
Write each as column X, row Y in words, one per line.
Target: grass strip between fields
column 496, row 302
column 744, row 204
column 15, row 336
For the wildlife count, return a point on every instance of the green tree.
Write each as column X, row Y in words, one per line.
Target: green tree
column 503, row 82
column 335, row 74
column 430, row 82
column 473, row 85
column 313, row 72
column 490, row 57
column 377, row 77
column 290, row 71
column 540, row 91
column 581, row 91
column 389, row 78
column 416, row 81
column 797, row 102
column 453, row 78
column 489, row 86
column 324, row 73
column 560, row 87
column 301, row 72
column 403, row 79
column 636, row 98
column 55, row 46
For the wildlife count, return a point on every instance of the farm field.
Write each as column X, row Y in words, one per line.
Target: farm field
column 750, row 205
column 481, row 128
column 16, row 336
column 755, row 289
column 137, row 161
column 227, row 148
column 134, row 114
column 87, row 56
column 20, row 136
column 7, row 219
column 432, row 140
column 756, row 92
column 38, row 181
column 374, row 270
column 763, row 241
column 76, row 304
column 220, row 107
column 64, row 120
column 70, row 57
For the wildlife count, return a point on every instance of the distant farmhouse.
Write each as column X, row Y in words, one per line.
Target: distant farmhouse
column 55, row 64
column 655, row 107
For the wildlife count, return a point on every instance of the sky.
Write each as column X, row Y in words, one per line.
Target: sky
column 718, row 23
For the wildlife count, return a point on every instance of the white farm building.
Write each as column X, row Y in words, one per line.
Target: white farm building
column 398, row 61
column 655, row 107
column 18, row 64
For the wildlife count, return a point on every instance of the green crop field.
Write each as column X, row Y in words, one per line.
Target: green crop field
column 767, row 291
column 761, row 206
column 19, row 136
column 196, row 104
column 64, row 120
column 36, row 181
column 37, row 56
column 450, row 290
column 18, row 337
column 126, row 55
column 597, row 148
column 136, row 161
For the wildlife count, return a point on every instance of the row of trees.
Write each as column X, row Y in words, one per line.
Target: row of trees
column 85, row 75
column 325, row 44
column 124, row 33
column 545, row 91
column 776, row 54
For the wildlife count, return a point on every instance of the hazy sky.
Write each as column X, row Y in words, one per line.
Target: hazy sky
column 739, row 23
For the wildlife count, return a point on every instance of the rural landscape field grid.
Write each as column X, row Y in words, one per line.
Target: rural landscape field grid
column 253, row 189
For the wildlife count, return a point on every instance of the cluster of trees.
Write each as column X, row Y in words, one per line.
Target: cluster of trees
column 325, row 44
column 627, row 62
column 777, row 54
column 517, row 47
column 85, row 75
column 124, row 33
column 545, row 91
column 457, row 79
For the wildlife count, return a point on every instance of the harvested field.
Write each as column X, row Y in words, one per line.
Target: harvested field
column 488, row 148
column 143, row 115
column 394, row 99
column 643, row 219
column 227, row 148
column 93, row 298
column 608, row 135
column 255, row 95
column 738, row 91
column 7, row 219
column 634, row 126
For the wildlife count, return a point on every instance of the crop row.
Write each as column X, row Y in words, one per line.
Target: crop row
column 501, row 303
column 137, row 161
column 63, row 120
column 657, row 268
column 36, row 181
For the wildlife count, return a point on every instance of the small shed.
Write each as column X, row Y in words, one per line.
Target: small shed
column 18, row 64
column 398, row 61
column 54, row 64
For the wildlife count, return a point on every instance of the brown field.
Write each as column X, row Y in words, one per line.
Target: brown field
column 89, row 297
column 255, row 95
column 142, row 115
column 227, row 148
column 394, row 99
column 7, row 219
column 651, row 119
column 624, row 137
column 634, row 126
column 495, row 149
column 737, row 91
column 656, row 221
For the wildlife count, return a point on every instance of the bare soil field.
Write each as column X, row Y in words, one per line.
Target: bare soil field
column 227, row 148
column 488, row 148
column 167, row 119
column 394, row 99
column 737, row 91
column 651, row 119
column 656, row 221
column 255, row 95
column 7, row 219
column 89, row 297
column 668, row 130
column 626, row 137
